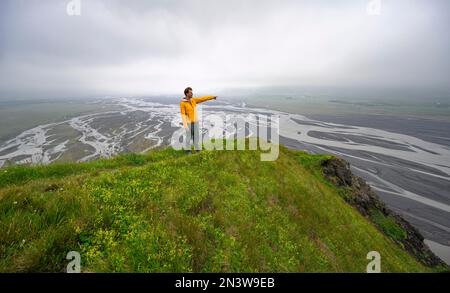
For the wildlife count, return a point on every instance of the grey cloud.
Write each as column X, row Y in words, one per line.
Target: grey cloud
column 139, row 47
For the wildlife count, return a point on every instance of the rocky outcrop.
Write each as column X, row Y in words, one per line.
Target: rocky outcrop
column 360, row 195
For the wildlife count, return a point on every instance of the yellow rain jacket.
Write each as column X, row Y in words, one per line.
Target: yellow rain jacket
column 187, row 109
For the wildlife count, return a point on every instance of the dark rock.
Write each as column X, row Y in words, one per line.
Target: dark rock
column 51, row 187
column 360, row 195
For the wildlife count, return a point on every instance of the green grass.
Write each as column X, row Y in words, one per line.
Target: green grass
column 23, row 174
column 388, row 225
column 165, row 211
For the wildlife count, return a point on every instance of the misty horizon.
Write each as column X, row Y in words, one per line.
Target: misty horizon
column 150, row 48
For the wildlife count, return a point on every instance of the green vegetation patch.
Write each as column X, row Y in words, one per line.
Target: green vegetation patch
column 166, row 211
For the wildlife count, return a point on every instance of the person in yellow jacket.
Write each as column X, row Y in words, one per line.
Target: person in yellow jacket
column 189, row 116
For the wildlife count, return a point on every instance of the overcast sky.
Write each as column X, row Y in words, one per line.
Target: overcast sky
column 158, row 47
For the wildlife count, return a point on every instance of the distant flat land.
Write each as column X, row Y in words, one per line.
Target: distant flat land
column 307, row 105
column 19, row 115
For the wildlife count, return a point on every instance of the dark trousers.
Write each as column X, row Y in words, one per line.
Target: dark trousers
column 192, row 133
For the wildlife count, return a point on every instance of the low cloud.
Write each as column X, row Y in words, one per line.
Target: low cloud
column 145, row 47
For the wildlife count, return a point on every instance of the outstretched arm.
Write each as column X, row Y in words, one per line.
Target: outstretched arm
column 203, row 99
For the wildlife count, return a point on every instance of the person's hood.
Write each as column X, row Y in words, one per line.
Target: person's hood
column 184, row 100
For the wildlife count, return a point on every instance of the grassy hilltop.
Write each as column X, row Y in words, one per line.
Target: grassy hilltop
column 166, row 211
